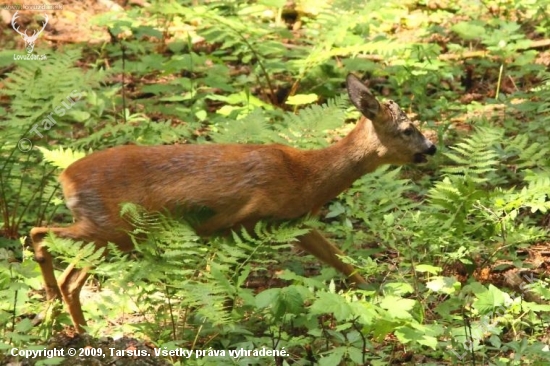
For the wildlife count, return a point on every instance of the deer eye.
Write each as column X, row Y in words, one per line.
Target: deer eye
column 408, row 132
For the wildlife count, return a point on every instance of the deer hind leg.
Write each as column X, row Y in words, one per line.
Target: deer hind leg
column 315, row 244
column 45, row 261
column 72, row 280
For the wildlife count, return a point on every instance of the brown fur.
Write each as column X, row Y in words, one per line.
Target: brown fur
column 241, row 184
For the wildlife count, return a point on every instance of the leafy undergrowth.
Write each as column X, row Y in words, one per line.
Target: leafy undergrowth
column 455, row 251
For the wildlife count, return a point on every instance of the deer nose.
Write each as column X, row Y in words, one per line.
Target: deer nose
column 431, row 150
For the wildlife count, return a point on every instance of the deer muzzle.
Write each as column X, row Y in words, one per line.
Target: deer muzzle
column 421, row 157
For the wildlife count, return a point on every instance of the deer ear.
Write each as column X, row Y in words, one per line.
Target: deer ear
column 362, row 98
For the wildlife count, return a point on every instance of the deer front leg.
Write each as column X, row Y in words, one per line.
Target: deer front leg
column 315, row 244
column 231, row 218
column 71, row 283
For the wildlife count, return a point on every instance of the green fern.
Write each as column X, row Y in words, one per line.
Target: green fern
column 253, row 128
column 39, row 112
column 476, row 160
column 476, row 157
column 194, row 274
column 75, row 253
column 138, row 129
column 176, row 260
column 453, row 200
column 308, row 128
column 526, row 153
column 535, row 196
column 471, row 197
column 61, row 158
column 36, row 89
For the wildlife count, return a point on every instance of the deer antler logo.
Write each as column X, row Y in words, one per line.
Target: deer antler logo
column 29, row 40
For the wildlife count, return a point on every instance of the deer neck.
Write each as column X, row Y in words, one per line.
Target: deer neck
column 339, row 165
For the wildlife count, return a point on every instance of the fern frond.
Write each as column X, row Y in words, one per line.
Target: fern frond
column 308, row 128
column 535, row 196
column 60, row 157
column 75, row 253
column 476, row 157
column 528, row 154
column 251, row 129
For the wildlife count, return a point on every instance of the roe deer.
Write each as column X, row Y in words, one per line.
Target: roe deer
column 241, row 184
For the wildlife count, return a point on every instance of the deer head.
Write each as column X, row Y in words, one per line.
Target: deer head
column 396, row 139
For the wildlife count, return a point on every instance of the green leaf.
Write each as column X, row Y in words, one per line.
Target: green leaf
column 487, row 301
column 445, row 285
column 79, row 116
column 418, row 334
column 334, row 358
column 389, row 219
column 301, row 99
column 281, row 301
column 468, row 30
column 422, row 268
column 398, row 289
column 327, row 303
column 398, row 307
column 273, row 3
column 356, row 355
